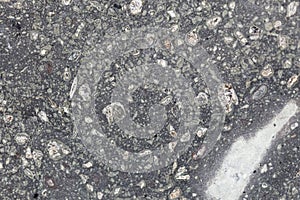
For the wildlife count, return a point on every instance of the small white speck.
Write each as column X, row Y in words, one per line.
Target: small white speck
column 66, row 2
column 232, row 5
column 89, row 187
column 88, row 120
column 264, row 185
column 162, row 62
column 171, row 13
column 43, row 116
column 264, row 168
column 100, row 195
column 142, row 184
column 87, row 165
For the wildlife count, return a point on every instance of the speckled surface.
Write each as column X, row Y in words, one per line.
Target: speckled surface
column 144, row 99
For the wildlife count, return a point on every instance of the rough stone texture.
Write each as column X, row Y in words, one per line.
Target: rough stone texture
column 253, row 44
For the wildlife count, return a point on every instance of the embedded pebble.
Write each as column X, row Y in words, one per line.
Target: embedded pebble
column 162, row 62
column 8, row 118
column 213, row 22
column 287, row 64
column 114, row 112
column 176, row 193
column 29, row 173
column 260, row 92
column 228, row 97
column 57, row 150
column 172, row 131
column 43, row 116
column 166, row 100
column 182, row 174
column 240, row 36
column 277, row 24
column 34, row 35
column 87, row 165
column 267, row 71
column 264, row 169
column 199, row 153
column 192, row 38
column 232, row 5
column 142, row 184
column 84, row 178
column 28, row 153
column 174, row 27
column 24, row 161
column 283, row 42
column 135, row 6
column 88, row 120
column 172, row 145
column 292, row 8
column 50, row 182
column 294, row 126
column 78, row 30
column 227, row 127
column 292, row 81
column 228, row 39
column 269, row 26
column 67, row 74
column 37, row 156
column 45, row 50
column 21, row 138
column 100, row 195
column 66, row 2
column 254, row 33
column 171, row 13
column 201, row 132
column 264, row 185
column 89, row 187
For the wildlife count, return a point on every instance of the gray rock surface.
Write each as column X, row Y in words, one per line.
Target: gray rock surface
column 140, row 99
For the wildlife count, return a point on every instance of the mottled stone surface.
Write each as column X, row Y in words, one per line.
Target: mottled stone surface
column 172, row 86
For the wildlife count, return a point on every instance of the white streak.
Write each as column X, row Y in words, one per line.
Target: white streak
column 244, row 156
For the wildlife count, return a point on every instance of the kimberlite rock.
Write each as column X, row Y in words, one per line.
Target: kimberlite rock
column 140, row 99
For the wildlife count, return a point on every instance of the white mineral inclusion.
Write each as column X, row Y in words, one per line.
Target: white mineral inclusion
column 66, row 2
column 73, row 87
column 213, row 22
column 43, row 116
column 292, row 8
column 135, row 6
column 21, row 138
column 244, row 157
column 114, row 112
column 57, row 150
